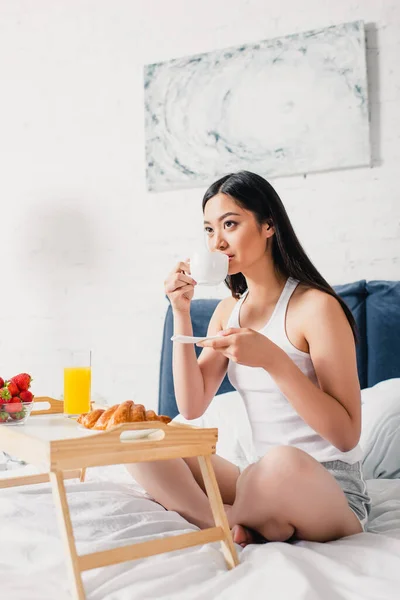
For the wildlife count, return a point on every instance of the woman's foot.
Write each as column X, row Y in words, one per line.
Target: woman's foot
column 244, row 535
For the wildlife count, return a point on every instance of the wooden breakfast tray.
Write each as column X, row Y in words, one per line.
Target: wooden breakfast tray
column 65, row 450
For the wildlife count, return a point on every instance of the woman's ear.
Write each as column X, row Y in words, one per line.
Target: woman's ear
column 269, row 228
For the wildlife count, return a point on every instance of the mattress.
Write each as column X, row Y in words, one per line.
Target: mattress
column 110, row 509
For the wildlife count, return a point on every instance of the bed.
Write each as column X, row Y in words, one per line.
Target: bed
column 109, row 508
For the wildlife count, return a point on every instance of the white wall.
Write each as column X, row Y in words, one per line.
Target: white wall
column 84, row 248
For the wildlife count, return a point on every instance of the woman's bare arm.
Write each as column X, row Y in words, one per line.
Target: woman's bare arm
column 334, row 409
column 196, row 381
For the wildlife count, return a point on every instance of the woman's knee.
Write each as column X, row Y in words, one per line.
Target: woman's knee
column 283, row 462
column 273, row 478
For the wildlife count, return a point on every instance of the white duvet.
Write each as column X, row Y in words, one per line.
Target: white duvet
column 109, row 510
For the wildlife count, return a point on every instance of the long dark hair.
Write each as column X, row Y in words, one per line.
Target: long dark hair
column 253, row 193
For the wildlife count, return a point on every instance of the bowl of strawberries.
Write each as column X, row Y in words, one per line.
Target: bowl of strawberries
column 16, row 399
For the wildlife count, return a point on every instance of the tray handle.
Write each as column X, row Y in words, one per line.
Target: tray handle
column 56, row 406
column 171, row 432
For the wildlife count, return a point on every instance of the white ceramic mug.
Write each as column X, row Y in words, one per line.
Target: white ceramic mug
column 209, row 268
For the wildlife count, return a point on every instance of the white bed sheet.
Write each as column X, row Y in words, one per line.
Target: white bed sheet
column 109, row 509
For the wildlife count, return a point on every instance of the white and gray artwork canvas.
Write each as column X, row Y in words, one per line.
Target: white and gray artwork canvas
column 292, row 105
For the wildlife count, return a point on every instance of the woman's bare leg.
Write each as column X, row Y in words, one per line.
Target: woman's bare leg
column 288, row 492
column 178, row 485
column 285, row 493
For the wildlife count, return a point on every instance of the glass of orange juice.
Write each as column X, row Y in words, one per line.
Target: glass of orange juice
column 77, row 381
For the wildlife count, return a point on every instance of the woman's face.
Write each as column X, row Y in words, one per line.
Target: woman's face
column 234, row 231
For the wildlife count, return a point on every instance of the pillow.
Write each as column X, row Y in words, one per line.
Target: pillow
column 380, row 436
column 228, row 413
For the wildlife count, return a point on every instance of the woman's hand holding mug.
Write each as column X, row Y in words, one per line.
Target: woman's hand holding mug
column 209, row 268
column 179, row 287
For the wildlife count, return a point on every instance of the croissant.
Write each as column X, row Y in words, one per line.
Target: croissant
column 102, row 422
column 151, row 416
column 121, row 415
column 89, row 419
column 126, row 412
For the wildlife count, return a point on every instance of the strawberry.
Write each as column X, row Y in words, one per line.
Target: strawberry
column 1, row 382
column 13, row 407
column 5, row 395
column 3, row 416
column 26, row 396
column 18, row 415
column 23, row 381
column 12, row 388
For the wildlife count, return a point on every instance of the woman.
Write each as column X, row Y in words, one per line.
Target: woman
column 287, row 342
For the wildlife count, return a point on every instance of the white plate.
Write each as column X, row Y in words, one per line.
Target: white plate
column 125, row 435
column 188, row 339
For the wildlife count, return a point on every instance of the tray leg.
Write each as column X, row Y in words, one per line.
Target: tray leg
column 217, row 507
column 83, row 474
column 64, row 520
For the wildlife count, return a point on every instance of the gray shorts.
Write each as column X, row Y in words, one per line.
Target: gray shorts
column 350, row 479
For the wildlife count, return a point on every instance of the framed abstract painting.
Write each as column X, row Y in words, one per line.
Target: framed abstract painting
column 287, row 106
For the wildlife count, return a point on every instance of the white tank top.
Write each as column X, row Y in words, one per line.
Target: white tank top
column 272, row 418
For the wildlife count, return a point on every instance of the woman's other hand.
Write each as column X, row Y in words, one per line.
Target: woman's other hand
column 245, row 347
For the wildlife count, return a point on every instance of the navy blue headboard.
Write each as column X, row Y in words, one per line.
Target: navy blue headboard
column 375, row 306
